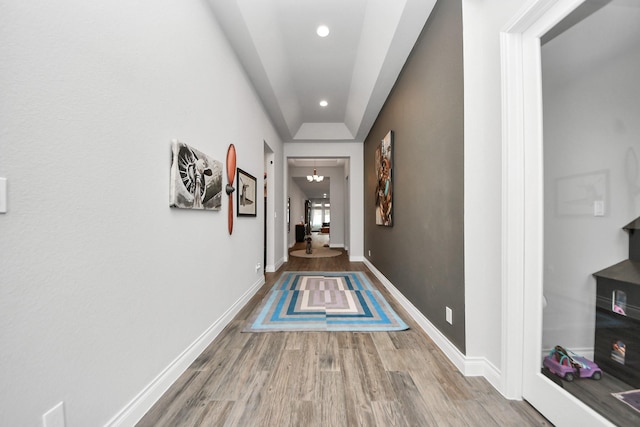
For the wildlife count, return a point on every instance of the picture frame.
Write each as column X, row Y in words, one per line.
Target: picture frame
column 584, row 194
column 247, row 194
column 384, row 179
column 196, row 179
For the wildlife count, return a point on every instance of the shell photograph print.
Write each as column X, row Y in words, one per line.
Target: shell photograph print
column 196, row 179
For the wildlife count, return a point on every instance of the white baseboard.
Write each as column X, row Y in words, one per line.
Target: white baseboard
column 468, row 366
column 140, row 405
column 481, row 367
column 273, row 268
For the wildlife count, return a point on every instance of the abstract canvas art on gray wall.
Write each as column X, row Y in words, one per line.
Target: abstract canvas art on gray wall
column 196, row 179
column 384, row 189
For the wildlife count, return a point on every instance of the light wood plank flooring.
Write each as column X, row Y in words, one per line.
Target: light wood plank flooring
column 330, row 379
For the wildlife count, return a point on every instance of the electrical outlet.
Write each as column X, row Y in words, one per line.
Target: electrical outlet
column 369, row 252
column 449, row 315
column 257, row 267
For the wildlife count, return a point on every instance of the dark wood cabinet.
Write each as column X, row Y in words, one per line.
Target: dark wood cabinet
column 617, row 339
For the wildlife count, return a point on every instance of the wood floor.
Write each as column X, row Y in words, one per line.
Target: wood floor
column 330, row 378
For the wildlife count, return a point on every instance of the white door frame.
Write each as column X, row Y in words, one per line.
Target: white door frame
column 269, row 167
column 523, row 215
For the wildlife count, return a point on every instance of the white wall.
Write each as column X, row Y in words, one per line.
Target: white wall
column 353, row 151
column 102, row 284
column 482, row 23
column 591, row 147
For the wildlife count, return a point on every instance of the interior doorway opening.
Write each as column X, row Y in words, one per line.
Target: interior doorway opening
column 540, row 192
column 319, row 205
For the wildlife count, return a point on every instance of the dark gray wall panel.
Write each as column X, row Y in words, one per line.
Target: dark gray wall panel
column 423, row 253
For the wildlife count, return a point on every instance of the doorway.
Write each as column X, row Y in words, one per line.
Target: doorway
column 314, row 196
column 559, row 178
column 269, row 224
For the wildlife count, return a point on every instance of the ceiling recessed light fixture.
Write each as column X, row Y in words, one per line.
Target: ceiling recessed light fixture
column 323, row 103
column 323, row 31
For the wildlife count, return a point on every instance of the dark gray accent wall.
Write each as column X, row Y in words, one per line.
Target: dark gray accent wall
column 422, row 254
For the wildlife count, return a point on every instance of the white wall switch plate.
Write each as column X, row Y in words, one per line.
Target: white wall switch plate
column 449, row 315
column 598, row 208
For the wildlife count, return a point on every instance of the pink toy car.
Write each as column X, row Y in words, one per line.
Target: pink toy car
column 565, row 366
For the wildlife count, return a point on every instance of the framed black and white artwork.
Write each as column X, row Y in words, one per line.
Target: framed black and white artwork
column 246, row 197
column 196, row 179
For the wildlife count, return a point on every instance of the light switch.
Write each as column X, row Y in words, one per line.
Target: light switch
column 598, row 208
column 3, row 195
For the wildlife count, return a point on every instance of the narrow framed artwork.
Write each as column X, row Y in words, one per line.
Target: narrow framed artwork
column 384, row 176
column 584, row 194
column 246, row 198
column 196, row 179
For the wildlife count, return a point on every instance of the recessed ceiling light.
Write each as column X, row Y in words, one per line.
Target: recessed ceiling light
column 323, row 103
column 323, row 31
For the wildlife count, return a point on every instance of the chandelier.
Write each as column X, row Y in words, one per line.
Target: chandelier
column 315, row 177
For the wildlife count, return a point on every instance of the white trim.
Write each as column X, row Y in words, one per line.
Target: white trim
column 140, row 405
column 468, row 366
column 522, row 197
column 584, row 352
column 273, row 268
column 512, row 216
column 514, row 190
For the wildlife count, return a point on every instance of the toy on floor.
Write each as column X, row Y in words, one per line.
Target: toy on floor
column 309, row 245
column 570, row 366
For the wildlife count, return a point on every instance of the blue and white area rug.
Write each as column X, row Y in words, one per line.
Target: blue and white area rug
column 326, row 301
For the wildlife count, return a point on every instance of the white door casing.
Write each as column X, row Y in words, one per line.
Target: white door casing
column 523, row 213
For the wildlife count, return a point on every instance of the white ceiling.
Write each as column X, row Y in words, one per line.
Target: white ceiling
column 596, row 33
column 292, row 68
column 314, row 190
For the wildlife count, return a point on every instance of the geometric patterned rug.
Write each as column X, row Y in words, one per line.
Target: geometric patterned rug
column 324, row 301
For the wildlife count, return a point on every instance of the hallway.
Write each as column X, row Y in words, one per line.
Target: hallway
column 330, row 379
